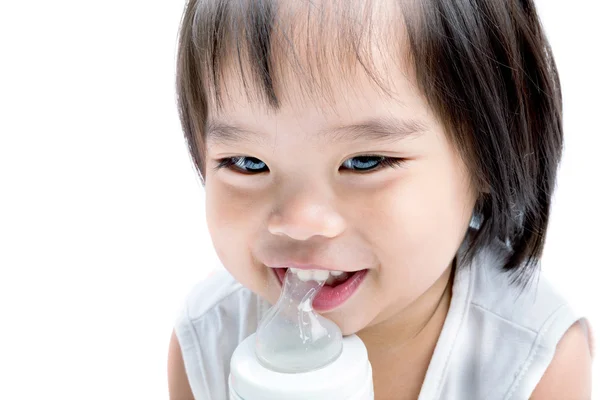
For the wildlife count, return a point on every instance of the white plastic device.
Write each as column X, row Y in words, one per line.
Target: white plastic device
column 297, row 354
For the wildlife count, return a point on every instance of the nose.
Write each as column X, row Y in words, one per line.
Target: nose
column 306, row 213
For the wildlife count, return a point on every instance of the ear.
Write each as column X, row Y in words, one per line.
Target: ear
column 475, row 222
column 485, row 188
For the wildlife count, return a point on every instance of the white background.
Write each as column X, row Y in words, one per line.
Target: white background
column 102, row 226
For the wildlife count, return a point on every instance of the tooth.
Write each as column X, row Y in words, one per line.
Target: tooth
column 336, row 273
column 294, row 270
column 330, row 281
column 320, row 274
column 342, row 276
column 304, row 274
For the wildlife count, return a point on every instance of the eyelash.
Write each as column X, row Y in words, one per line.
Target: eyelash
column 384, row 162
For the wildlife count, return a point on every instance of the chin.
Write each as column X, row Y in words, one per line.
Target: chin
column 349, row 322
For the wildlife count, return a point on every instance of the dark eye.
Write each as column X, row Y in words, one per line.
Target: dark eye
column 371, row 163
column 361, row 164
column 246, row 165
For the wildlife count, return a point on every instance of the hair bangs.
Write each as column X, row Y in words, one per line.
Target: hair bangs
column 265, row 44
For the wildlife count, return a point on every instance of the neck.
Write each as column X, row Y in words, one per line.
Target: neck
column 400, row 348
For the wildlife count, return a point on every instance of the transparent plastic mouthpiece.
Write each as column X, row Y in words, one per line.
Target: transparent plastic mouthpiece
column 292, row 337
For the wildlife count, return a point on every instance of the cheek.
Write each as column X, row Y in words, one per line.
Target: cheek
column 230, row 210
column 398, row 214
column 418, row 223
column 234, row 220
column 228, row 217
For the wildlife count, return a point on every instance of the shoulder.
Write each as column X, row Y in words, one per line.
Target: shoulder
column 218, row 313
column 219, row 302
column 533, row 333
column 569, row 375
column 211, row 292
column 179, row 386
column 533, row 307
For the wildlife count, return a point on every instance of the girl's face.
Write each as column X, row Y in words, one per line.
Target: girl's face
column 363, row 182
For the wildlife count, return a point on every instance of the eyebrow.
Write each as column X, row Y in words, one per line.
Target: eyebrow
column 387, row 129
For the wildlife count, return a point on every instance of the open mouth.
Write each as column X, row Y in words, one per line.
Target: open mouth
column 331, row 278
column 338, row 288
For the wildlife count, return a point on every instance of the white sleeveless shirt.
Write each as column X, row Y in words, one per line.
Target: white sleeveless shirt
column 496, row 342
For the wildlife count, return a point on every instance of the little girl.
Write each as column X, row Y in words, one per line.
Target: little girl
column 408, row 147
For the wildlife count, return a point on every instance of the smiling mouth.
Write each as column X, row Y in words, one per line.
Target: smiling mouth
column 338, row 288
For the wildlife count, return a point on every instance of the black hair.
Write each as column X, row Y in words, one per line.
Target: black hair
column 484, row 66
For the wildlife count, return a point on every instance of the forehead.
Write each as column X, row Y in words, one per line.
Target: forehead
column 353, row 112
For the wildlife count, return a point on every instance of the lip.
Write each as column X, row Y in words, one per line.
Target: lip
column 330, row 298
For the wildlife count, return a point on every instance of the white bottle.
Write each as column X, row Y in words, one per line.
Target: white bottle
column 297, row 354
